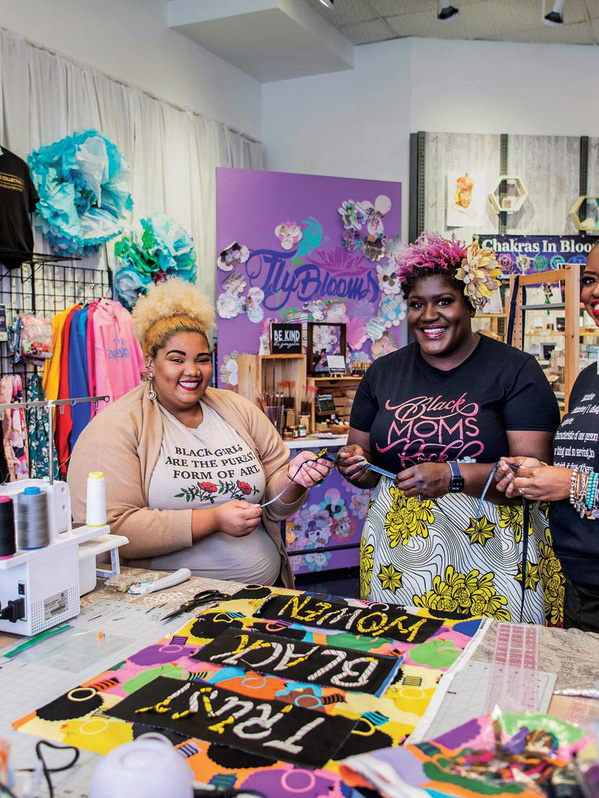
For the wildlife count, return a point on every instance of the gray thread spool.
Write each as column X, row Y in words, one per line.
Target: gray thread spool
column 33, row 519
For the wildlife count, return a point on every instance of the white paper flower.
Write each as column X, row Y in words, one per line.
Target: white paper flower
column 228, row 306
column 375, row 328
column 316, row 309
column 289, row 234
column 388, row 278
column 336, row 312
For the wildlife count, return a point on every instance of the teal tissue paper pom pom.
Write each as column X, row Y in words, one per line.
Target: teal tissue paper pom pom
column 83, row 183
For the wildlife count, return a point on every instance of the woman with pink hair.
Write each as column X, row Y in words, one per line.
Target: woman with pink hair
column 439, row 414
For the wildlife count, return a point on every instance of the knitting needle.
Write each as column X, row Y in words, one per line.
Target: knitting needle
column 378, row 470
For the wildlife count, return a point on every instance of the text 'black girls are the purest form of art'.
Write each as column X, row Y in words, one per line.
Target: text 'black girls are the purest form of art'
column 311, row 663
column 271, row 728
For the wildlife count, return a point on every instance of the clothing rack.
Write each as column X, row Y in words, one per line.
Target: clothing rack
column 46, row 284
column 49, row 405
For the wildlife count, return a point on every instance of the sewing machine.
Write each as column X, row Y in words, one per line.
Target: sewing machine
column 40, row 588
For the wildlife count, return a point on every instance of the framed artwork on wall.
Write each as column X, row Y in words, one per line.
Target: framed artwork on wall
column 324, row 339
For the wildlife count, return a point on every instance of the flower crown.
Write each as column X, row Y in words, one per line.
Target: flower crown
column 476, row 267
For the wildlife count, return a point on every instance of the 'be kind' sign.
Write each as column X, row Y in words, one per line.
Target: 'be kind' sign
column 286, row 339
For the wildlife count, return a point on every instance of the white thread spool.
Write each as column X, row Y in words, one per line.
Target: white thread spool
column 95, row 511
column 149, row 767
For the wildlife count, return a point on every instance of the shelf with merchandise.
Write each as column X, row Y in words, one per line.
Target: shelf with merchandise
column 557, row 350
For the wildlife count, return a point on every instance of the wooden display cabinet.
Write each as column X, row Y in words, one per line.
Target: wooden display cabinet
column 261, row 373
column 550, row 329
column 343, row 390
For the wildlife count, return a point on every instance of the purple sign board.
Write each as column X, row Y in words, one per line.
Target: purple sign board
column 303, row 247
column 308, row 248
column 533, row 254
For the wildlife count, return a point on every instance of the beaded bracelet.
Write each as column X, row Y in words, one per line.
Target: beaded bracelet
column 578, row 489
column 591, row 490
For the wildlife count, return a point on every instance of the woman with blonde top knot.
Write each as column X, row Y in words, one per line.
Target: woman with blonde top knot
column 188, row 466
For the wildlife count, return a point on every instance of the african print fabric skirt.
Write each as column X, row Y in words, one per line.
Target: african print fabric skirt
column 435, row 554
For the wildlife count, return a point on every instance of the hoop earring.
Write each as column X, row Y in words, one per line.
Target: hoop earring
column 151, row 391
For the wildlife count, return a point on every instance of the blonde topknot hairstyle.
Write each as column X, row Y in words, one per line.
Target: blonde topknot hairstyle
column 168, row 308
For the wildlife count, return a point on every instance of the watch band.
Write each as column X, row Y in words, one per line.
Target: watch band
column 456, row 482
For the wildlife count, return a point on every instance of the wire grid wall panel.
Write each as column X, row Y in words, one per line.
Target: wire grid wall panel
column 44, row 286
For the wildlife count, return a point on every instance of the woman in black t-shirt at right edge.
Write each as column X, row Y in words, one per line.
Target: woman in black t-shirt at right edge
column 439, row 414
column 571, row 484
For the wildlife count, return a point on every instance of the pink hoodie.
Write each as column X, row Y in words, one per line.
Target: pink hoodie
column 118, row 358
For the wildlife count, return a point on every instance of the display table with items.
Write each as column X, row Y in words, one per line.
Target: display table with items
column 269, row 689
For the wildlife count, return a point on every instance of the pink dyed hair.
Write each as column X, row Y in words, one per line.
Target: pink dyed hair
column 431, row 251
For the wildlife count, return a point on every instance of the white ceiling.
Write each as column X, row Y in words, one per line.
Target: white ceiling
column 281, row 39
column 367, row 21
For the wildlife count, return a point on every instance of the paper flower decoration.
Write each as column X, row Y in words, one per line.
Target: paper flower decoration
column 229, row 370
column 254, row 301
column 229, row 306
column 289, row 234
column 163, row 249
column 235, row 283
column 388, row 278
column 128, row 284
column 83, row 183
column 316, row 309
column 384, row 346
column 480, row 272
column 375, row 328
column 353, row 215
column 336, row 312
column 393, row 247
column 355, row 332
column 392, row 310
column 232, row 256
column 356, row 215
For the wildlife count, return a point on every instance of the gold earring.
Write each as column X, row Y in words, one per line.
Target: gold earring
column 151, row 391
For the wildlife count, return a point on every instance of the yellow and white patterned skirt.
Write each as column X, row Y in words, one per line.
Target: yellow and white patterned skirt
column 435, row 554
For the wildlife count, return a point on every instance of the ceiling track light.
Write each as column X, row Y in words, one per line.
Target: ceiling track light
column 556, row 15
column 447, row 12
column 328, row 3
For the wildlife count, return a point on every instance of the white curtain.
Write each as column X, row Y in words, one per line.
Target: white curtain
column 173, row 152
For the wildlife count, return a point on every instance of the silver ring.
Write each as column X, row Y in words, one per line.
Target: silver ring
column 419, row 499
column 521, row 491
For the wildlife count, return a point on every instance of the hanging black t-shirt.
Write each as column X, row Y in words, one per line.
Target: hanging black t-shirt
column 18, row 199
column 576, row 539
column 416, row 413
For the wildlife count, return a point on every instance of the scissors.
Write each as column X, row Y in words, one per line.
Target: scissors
column 199, row 600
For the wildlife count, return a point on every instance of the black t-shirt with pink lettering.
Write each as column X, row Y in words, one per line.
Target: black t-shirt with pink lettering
column 416, row 413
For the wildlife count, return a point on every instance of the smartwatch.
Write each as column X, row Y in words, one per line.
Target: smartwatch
column 456, row 483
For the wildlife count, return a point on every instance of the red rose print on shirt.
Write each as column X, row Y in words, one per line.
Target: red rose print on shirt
column 244, row 488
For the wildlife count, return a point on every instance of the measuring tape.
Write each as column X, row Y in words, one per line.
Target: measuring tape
column 513, row 683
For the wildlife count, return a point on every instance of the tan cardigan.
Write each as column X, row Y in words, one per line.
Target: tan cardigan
column 124, row 442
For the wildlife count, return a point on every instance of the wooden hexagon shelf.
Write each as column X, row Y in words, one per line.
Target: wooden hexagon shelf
column 590, row 224
column 514, row 198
